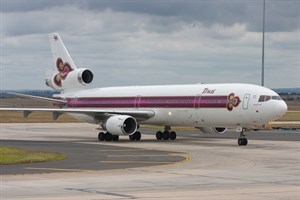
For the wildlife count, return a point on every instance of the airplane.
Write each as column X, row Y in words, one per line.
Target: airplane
column 211, row 108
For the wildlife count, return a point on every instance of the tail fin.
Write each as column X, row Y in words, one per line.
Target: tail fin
column 66, row 75
column 59, row 51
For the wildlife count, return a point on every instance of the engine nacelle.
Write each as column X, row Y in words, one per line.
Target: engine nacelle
column 120, row 125
column 71, row 79
column 213, row 130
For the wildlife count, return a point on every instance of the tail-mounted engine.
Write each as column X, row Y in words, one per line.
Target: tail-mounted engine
column 69, row 78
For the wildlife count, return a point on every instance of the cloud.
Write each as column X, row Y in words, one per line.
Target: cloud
column 280, row 15
column 140, row 43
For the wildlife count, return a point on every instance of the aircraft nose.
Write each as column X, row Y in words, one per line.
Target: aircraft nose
column 283, row 108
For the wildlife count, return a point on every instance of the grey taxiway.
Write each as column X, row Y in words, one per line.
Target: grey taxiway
column 193, row 166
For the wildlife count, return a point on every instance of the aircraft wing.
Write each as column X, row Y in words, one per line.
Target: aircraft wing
column 96, row 113
column 101, row 114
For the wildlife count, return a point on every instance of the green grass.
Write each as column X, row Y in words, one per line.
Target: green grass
column 9, row 155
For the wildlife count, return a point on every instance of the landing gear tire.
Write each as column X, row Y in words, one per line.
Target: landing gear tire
column 172, row 135
column 101, row 136
column 108, row 136
column 242, row 141
column 159, row 135
column 136, row 136
column 115, row 138
column 131, row 137
column 166, row 135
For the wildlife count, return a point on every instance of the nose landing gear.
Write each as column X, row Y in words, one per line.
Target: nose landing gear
column 242, row 141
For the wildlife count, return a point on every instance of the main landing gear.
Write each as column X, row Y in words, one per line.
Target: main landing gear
column 110, row 137
column 166, row 135
column 107, row 137
column 136, row 136
column 242, row 141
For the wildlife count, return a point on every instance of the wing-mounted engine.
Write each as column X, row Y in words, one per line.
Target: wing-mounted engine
column 69, row 78
column 120, row 125
column 213, row 130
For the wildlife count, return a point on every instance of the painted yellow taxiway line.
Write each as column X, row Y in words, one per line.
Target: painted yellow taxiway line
column 147, row 155
column 60, row 169
column 134, row 162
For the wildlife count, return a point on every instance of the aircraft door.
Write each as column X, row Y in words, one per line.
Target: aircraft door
column 246, row 101
column 198, row 116
column 197, row 101
column 137, row 102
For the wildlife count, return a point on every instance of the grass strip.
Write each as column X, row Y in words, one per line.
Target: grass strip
column 9, row 155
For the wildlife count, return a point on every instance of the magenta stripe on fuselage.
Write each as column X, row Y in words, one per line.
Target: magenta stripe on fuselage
column 150, row 102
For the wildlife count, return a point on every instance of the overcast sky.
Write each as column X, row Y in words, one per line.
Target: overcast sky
column 142, row 42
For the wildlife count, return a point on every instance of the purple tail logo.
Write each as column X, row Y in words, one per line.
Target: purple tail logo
column 63, row 70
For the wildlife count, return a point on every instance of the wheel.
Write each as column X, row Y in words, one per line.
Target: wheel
column 115, row 138
column 172, row 135
column 108, row 136
column 242, row 141
column 137, row 135
column 101, row 136
column 159, row 135
column 166, row 135
column 131, row 137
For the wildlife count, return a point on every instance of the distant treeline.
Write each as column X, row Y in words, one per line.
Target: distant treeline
column 288, row 91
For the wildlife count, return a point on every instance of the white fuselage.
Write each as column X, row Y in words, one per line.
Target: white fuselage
column 198, row 105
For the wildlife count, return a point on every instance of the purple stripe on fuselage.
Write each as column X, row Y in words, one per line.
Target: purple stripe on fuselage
column 150, row 102
column 213, row 102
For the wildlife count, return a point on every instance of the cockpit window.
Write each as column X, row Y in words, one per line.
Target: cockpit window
column 276, row 98
column 261, row 98
column 264, row 98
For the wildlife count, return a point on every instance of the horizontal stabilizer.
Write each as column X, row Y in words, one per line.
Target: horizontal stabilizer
column 51, row 100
